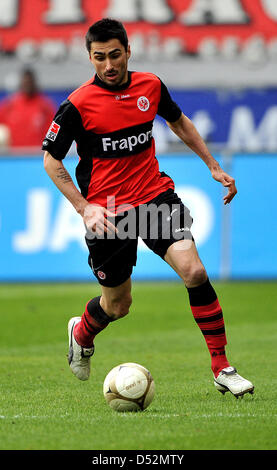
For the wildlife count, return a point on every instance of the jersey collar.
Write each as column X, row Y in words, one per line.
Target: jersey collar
column 97, row 81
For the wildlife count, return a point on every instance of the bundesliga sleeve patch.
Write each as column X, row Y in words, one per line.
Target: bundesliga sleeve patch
column 53, row 131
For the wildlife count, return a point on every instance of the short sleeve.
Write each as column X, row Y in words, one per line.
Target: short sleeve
column 168, row 109
column 63, row 131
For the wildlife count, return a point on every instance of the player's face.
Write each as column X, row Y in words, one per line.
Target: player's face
column 110, row 61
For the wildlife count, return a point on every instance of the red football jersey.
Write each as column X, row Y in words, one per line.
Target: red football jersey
column 27, row 118
column 112, row 127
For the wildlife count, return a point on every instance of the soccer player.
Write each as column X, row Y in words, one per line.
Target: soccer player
column 110, row 117
column 26, row 113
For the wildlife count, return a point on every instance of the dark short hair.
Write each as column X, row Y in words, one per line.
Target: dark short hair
column 106, row 29
column 28, row 71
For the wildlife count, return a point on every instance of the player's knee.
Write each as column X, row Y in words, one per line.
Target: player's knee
column 119, row 307
column 194, row 275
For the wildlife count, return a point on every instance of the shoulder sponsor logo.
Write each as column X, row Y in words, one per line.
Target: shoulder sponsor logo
column 143, row 103
column 53, row 131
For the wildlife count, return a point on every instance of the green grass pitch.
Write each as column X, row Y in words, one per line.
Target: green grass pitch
column 43, row 406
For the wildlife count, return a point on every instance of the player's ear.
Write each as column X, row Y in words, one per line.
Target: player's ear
column 128, row 51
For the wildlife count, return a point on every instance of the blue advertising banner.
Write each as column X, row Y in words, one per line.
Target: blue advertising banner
column 42, row 237
column 254, row 218
column 239, row 119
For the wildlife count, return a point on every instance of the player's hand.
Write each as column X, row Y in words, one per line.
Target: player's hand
column 95, row 218
column 227, row 181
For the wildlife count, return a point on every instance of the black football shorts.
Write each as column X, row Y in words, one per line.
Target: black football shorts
column 160, row 223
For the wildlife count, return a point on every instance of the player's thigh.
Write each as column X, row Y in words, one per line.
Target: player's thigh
column 111, row 260
column 183, row 257
column 169, row 220
column 116, row 301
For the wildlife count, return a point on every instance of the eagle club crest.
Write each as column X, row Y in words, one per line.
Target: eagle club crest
column 143, row 103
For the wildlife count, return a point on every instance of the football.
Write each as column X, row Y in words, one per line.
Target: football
column 129, row 387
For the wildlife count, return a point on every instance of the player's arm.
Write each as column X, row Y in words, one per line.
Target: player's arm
column 94, row 216
column 186, row 131
column 62, row 179
column 182, row 126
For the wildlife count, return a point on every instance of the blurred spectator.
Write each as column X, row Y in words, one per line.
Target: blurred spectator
column 26, row 115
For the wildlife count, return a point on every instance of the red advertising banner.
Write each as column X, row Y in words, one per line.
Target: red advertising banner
column 190, row 21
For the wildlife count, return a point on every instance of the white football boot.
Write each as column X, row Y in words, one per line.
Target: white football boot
column 229, row 380
column 78, row 357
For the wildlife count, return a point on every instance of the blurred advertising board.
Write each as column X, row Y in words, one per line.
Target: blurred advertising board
column 239, row 120
column 42, row 238
column 188, row 21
